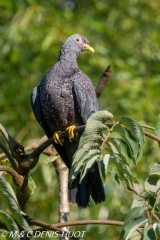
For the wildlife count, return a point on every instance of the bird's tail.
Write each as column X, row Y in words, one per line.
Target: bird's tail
column 79, row 193
column 96, row 188
column 91, row 185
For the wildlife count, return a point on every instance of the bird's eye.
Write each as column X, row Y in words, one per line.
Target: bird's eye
column 77, row 40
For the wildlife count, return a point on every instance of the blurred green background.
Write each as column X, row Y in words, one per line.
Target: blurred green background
column 124, row 34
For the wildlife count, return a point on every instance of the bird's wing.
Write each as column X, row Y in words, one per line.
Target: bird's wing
column 36, row 107
column 85, row 97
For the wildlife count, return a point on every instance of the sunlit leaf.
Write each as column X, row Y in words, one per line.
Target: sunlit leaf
column 155, row 169
column 156, row 227
column 133, row 221
column 103, row 164
column 31, row 184
column 50, row 159
column 87, row 166
column 141, row 198
column 152, row 183
column 148, row 233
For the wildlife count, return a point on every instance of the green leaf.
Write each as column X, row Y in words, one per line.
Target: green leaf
column 96, row 123
column 88, row 166
column 31, row 184
column 50, row 159
column 123, row 170
column 148, row 233
column 132, row 222
column 8, row 197
column 128, row 137
column 155, row 169
column 141, row 198
column 103, row 165
column 152, row 183
column 156, row 227
column 135, row 128
column 157, row 130
column 122, row 148
column 139, row 155
column 10, row 223
column 89, row 146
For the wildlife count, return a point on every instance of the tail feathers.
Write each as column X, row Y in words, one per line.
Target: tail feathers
column 79, row 193
column 91, row 185
column 96, row 188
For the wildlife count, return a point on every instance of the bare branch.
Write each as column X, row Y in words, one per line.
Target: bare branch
column 150, row 135
column 17, row 179
column 9, row 156
column 36, row 144
column 134, row 189
column 74, row 223
column 62, row 173
column 103, row 80
column 16, row 149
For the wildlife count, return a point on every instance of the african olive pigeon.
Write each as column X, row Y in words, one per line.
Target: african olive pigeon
column 66, row 98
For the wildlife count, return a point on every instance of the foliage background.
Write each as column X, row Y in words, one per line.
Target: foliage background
column 124, row 34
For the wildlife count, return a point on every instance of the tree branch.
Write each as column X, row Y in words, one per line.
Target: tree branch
column 103, row 80
column 150, row 135
column 9, row 156
column 134, row 189
column 73, row 223
column 62, row 173
column 17, row 179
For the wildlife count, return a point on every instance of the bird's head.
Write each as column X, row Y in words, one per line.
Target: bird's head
column 77, row 43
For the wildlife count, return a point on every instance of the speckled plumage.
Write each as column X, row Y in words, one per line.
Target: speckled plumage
column 66, row 97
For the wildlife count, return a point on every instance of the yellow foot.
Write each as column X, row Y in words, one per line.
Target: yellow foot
column 70, row 132
column 56, row 138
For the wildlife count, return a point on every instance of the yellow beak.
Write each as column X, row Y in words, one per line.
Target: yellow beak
column 88, row 47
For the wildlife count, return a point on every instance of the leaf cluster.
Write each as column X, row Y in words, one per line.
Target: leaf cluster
column 122, row 149
column 145, row 210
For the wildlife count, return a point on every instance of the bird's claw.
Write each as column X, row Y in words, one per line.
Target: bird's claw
column 56, row 138
column 71, row 132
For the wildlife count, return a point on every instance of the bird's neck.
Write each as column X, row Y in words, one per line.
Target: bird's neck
column 69, row 61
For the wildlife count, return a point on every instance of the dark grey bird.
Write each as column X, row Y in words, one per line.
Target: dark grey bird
column 64, row 99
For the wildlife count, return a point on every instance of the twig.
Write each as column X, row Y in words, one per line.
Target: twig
column 36, row 144
column 9, row 156
column 74, row 223
column 17, row 179
column 155, row 217
column 146, row 126
column 150, row 135
column 103, row 80
column 133, row 189
column 49, row 151
column 4, row 132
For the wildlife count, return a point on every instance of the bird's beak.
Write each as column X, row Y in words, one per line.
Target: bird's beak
column 87, row 47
